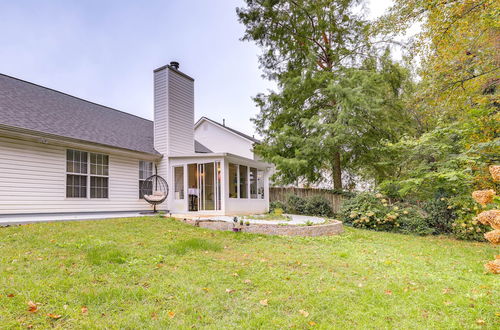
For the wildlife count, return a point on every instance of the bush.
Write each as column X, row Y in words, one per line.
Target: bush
column 413, row 221
column 440, row 215
column 277, row 205
column 295, row 204
column 371, row 211
column 318, row 205
column 469, row 229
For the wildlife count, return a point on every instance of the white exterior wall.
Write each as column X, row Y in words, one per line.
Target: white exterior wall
column 218, row 139
column 33, row 180
column 238, row 206
column 229, row 206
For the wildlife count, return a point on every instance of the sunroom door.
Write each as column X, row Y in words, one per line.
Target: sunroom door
column 209, row 183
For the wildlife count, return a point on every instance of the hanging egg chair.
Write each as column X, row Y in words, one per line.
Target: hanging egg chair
column 154, row 190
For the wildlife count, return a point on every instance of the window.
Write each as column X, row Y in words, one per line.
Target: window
column 145, row 171
column 76, row 161
column 99, row 164
column 76, row 164
column 77, row 174
column 233, row 180
column 99, row 170
column 98, row 187
column 243, row 181
column 260, row 184
column 179, row 182
column 253, row 182
column 76, row 186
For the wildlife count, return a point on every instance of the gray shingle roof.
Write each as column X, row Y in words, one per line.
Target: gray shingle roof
column 200, row 148
column 37, row 108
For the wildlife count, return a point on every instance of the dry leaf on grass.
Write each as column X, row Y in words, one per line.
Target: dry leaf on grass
column 388, row 292
column 304, row 313
column 312, row 323
column 171, row 314
column 10, row 295
column 263, row 302
column 229, row 290
column 247, row 281
column 447, row 290
column 54, row 316
column 84, row 309
column 32, row 307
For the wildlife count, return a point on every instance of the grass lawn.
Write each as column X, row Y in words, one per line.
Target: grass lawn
column 156, row 273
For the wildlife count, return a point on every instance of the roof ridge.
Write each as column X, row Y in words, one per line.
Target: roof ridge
column 75, row 97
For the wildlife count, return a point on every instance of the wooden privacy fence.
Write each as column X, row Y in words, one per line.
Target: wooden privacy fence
column 280, row 194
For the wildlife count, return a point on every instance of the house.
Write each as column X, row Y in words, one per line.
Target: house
column 63, row 154
column 221, row 138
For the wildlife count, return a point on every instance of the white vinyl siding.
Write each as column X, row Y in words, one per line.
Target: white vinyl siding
column 181, row 114
column 33, row 180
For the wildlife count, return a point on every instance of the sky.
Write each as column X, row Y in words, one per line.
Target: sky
column 105, row 51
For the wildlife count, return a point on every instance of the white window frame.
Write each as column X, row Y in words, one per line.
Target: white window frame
column 139, row 174
column 87, row 176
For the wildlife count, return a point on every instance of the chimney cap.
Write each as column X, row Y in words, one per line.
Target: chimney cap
column 174, row 65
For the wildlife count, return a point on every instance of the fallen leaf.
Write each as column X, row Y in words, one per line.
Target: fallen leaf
column 447, row 290
column 312, row 323
column 360, row 285
column 32, row 307
column 304, row 313
column 388, row 292
column 54, row 316
column 171, row 314
column 263, row 302
column 229, row 290
column 84, row 309
column 235, row 274
column 247, row 281
column 10, row 295
column 206, row 289
column 154, row 316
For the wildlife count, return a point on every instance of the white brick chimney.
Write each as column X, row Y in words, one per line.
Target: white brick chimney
column 173, row 111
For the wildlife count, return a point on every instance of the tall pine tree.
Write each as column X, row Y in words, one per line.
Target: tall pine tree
column 335, row 100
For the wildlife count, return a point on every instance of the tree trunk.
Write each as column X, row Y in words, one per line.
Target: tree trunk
column 336, row 171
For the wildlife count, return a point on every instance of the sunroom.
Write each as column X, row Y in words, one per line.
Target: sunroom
column 218, row 183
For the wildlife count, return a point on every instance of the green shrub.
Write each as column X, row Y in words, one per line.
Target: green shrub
column 366, row 210
column 277, row 205
column 373, row 211
column 278, row 212
column 469, row 228
column 318, row 205
column 440, row 215
column 411, row 220
column 295, row 204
